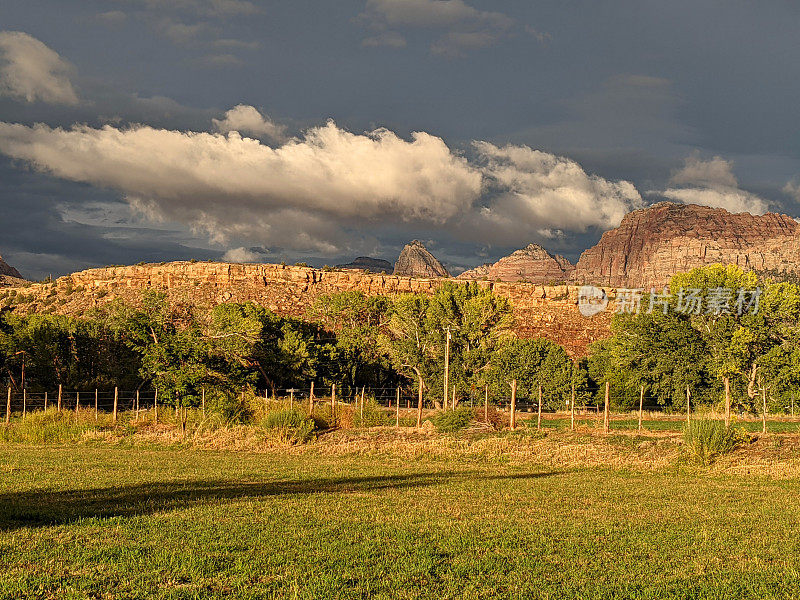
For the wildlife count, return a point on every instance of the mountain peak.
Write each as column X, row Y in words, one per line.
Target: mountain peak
column 416, row 261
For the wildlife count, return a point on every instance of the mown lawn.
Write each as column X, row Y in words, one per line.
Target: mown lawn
column 120, row 522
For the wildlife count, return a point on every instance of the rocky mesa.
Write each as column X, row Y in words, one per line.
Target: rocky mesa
column 654, row 243
column 532, row 263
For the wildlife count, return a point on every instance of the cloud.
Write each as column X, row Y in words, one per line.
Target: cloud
column 327, row 190
column 304, row 194
column 112, row 18
column 31, row 71
column 546, row 194
column 792, row 188
column 213, row 8
column 247, row 119
column 390, row 39
column 242, row 255
column 712, row 183
column 460, row 26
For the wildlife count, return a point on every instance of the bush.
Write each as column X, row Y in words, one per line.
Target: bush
column 230, row 406
column 454, row 420
column 291, row 423
column 708, row 438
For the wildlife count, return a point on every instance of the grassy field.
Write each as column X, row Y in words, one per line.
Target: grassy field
column 111, row 521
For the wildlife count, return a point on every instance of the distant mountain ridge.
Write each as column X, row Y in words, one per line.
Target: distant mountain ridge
column 367, row 263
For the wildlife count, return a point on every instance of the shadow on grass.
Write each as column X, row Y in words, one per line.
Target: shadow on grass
column 45, row 508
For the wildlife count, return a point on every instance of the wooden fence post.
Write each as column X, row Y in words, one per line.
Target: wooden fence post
column 688, row 407
column 116, row 400
column 486, row 403
column 607, row 412
column 311, row 400
column 137, row 405
column 572, row 409
column 59, row 397
column 727, row 401
column 203, row 401
column 8, row 406
column 419, row 404
column 363, row 389
column 514, row 404
column 539, row 410
column 155, row 407
column 397, row 410
column 77, row 403
column 95, row 404
column 45, row 402
column 641, row 403
column 764, row 412
column 24, row 402
column 333, row 402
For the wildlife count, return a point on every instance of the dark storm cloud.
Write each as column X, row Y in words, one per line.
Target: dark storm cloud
column 692, row 101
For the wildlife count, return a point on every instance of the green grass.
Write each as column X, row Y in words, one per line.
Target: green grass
column 676, row 424
column 120, row 522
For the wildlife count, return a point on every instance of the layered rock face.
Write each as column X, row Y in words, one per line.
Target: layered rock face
column 367, row 263
column 539, row 311
column 654, row 243
column 416, row 261
column 8, row 270
column 533, row 263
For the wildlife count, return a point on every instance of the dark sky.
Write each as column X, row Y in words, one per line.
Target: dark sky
column 149, row 130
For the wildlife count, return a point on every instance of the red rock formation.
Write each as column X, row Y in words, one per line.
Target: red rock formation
column 416, row 261
column 539, row 311
column 8, row 270
column 533, row 263
column 654, row 243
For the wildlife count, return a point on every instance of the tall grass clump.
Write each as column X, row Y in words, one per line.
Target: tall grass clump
column 373, row 415
column 290, row 424
column 48, row 427
column 706, row 439
column 454, row 420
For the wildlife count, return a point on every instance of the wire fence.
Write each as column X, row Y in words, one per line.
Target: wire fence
column 118, row 400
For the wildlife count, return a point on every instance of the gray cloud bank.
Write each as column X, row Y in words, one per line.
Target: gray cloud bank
column 313, row 191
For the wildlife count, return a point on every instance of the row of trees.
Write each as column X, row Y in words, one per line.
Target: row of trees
column 355, row 340
column 668, row 350
column 346, row 338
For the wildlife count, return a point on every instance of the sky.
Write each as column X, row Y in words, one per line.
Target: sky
column 156, row 130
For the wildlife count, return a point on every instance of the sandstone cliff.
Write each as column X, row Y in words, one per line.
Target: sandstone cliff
column 416, row 261
column 539, row 311
column 533, row 263
column 654, row 243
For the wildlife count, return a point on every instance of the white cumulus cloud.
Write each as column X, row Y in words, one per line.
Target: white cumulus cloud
column 31, row 71
column 541, row 192
column 712, row 183
column 247, row 119
column 302, row 194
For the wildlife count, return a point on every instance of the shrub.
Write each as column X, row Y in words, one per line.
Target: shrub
column 291, row 423
column 454, row 420
column 230, row 406
column 708, row 438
